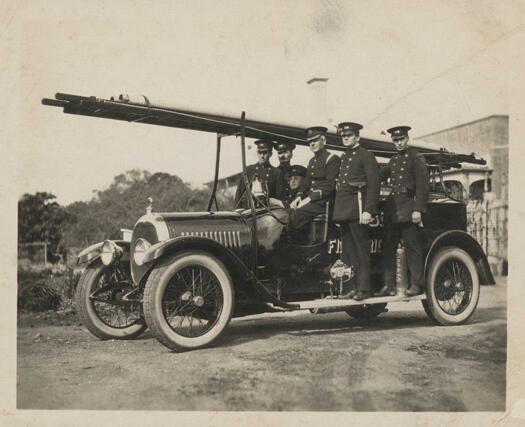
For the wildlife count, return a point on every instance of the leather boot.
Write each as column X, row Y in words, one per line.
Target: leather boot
column 361, row 295
column 348, row 295
column 414, row 290
column 386, row 291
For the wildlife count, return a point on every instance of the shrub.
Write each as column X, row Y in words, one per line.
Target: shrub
column 46, row 288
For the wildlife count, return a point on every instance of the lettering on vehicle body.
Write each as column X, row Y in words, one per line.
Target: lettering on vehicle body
column 335, row 246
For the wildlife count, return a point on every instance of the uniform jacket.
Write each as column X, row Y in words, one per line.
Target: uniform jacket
column 321, row 174
column 285, row 174
column 271, row 180
column 410, row 186
column 358, row 165
column 290, row 197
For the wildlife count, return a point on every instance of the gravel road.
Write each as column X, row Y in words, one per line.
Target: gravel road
column 280, row 362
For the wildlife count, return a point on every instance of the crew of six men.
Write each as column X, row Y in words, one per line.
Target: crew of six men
column 352, row 184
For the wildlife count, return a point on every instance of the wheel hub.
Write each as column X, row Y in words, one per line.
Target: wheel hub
column 197, row 300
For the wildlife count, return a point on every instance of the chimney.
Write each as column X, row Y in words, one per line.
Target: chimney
column 319, row 100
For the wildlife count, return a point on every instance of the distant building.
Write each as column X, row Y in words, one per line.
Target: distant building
column 488, row 138
column 485, row 188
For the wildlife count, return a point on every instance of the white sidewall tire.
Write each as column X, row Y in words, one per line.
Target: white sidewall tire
column 156, row 286
column 88, row 314
column 434, row 310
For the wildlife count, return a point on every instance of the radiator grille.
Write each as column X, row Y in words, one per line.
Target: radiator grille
column 231, row 239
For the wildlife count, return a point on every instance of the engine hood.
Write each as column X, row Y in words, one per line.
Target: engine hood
column 231, row 229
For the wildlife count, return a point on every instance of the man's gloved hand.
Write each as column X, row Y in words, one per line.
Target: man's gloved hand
column 366, row 218
column 303, row 202
column 416, row 217
column 295, row 203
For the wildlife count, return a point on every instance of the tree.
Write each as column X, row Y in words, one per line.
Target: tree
column 122, row 203
column 42, row 219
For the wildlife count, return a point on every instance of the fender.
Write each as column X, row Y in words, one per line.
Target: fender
column 160, row 249
column 465, row 241
column 227, row 256
column 92, row 253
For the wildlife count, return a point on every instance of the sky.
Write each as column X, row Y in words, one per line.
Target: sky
column 430, row 65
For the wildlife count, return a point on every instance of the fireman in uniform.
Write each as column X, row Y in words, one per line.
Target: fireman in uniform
column 270, row 177
column 319, row 185
column 356, row 198
column 284, row 154
column 297, row 175
column 408, row 200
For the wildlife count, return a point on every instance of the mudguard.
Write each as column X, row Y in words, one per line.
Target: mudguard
column 177, row 244
column 230, row 259
column 465, row 241
column 92, row 253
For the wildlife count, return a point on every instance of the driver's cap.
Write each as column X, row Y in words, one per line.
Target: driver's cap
column 345, row 128
column 398, row 132
column 264, row 145
column 315, row 131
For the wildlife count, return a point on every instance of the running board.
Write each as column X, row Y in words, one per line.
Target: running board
column 342, row 303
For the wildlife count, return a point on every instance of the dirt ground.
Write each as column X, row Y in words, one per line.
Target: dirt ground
column 296, row 361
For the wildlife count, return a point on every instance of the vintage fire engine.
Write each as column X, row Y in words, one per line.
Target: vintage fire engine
column 184, row 275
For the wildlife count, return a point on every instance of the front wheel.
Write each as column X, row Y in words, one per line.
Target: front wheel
column 452, row 287
column 188, row 300
column 102, row 305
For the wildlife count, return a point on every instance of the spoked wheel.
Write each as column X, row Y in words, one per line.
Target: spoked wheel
column 368, row 311
column 452, row 287
column 188, row 300
column 107, row 303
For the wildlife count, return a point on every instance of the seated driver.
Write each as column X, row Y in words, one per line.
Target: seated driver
column 269, row 177
column 297, row 174
column 319, row 185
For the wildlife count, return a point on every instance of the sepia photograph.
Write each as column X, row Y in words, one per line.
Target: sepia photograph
column 282, row 208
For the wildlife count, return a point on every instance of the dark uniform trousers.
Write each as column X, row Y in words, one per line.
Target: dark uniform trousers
column 271, row 180
column 319, row 185
column 356, row 251
column 413, row 243
column 302, row 216
column 410, row 188
column 358, row 168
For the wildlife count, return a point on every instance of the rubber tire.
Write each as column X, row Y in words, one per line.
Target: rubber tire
column 370, row 311
column 89, row 317
column 156, row 284
column 431, row 306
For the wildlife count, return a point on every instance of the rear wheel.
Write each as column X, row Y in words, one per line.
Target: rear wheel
column 452, row 287
column 368, row 311
column 188, row 300
column 100, row 304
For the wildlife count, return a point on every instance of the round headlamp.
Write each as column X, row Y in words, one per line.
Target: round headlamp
column 109, row 252
column 141, row 246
